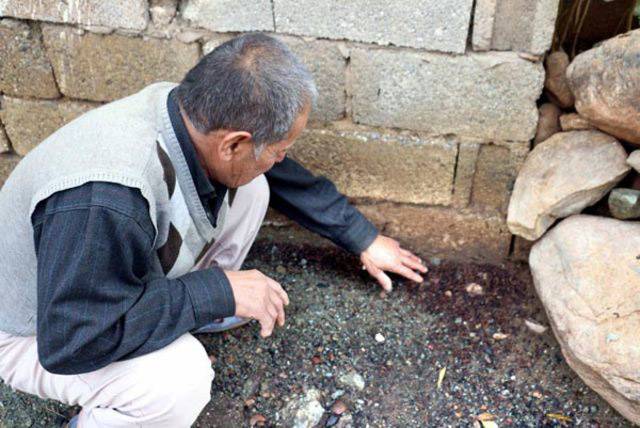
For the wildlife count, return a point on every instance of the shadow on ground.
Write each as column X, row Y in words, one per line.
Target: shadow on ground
column 335, row 314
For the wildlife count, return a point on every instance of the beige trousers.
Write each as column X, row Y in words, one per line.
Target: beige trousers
column 166, row 388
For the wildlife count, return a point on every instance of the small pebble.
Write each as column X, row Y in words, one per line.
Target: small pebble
column 474, row 289
column 339, row 407
column 316, row 359
column 337, row 394
column 258, row 420
column 448, row 293
column 535, row 327
column 500, row 336
column 281, row 269
column 380, row 338
column 332, row 420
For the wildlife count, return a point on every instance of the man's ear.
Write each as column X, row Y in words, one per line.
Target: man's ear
column 235, row 143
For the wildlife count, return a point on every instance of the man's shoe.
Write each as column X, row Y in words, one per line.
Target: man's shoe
column 73, row 423
column 223, row 324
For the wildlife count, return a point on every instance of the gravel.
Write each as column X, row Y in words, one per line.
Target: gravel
column 335, row 321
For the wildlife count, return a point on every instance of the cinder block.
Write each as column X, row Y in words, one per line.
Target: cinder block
column 514, row 25
column 426, row 24
column 328, row 66
column 443, row 232
column 489, row 96
column 24, row 67
column 230, row 15
column 125, row 14
column 465, row 170
column 484, row 16
column 106, row 67
column 496, row 170
column 28, row 122
column 386, row 166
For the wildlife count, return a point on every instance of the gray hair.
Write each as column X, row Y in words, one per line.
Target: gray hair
column 252, row 83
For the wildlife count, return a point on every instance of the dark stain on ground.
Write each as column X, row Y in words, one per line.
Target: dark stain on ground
column 336, row 310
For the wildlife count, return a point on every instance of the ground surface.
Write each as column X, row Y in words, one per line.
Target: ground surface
column 332, row 322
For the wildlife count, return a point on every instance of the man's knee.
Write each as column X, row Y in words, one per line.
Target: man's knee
column 176, row 387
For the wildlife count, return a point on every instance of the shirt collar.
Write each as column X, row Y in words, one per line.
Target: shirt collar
column 206, row 188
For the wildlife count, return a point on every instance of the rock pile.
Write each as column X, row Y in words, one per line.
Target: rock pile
column 586, row 269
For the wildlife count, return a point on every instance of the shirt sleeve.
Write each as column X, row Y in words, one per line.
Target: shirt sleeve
column 101, row 294
column 315, row 203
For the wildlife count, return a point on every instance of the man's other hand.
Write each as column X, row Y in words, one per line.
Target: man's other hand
column 259, row 297
column 385, row 254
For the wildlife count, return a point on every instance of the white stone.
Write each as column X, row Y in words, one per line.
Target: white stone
column 305, row 411
column 634, row 160
column 425, row 24
column 561, row 176
column 229, row 15
column 587, row 274
column 352, row 379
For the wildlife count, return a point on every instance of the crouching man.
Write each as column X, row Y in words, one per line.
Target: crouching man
column 124, row 232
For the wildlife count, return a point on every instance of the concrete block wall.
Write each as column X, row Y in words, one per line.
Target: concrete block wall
column 425, row 114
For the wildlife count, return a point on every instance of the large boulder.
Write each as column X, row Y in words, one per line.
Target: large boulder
column 605, row 81
column 587, row 274
column 561, row 176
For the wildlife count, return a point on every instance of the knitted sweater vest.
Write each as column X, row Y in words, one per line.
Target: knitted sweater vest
column 129, row 142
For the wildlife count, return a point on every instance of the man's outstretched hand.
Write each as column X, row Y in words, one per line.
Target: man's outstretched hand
column 385, row 254
column 259, row 297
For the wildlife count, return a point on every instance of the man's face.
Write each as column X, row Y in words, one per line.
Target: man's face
column 245, row 167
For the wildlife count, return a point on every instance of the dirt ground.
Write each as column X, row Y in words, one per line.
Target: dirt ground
column 339, row 322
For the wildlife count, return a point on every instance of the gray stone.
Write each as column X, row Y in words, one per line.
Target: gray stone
column 125, row 14
column 353, row 380
column 634, row 160
column 561, row 176
column 443, row 232
column 496, row 171
column 424, row 24
column 325, row 61
column 465, row 170
column 304, row 411
column 624, row 204
column 388, row 166
column 107, row 67
column 605, row 82
column 230, row 15
column 587, row 275
column 524, row 25
column 28, row 122
column 163, row 11
column 481, row 95
column 484, row 16
column 24, row 67
column 548, row 122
